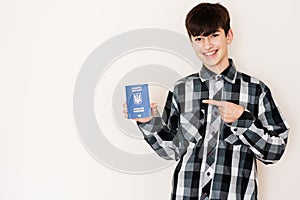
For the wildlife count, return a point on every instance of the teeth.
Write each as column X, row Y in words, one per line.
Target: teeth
column 210, row 53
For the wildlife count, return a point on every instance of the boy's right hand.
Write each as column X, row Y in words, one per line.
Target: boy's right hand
column 153, row 107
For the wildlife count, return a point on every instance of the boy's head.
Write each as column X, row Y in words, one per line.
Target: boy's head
column 206, row 18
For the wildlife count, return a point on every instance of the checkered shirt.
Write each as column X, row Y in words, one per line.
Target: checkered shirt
column 182, row 133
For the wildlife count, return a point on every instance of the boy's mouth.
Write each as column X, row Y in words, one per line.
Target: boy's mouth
column 211, row 53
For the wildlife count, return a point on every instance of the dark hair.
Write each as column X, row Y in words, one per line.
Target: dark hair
column 206, row 18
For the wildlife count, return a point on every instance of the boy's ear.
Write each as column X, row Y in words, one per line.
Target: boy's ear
column 229, row 36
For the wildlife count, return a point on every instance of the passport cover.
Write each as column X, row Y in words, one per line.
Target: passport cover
column 137, row 99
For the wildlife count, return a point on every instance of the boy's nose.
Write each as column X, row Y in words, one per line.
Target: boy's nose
column 207, row 44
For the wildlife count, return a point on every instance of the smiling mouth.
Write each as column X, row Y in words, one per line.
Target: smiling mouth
column 211, row 53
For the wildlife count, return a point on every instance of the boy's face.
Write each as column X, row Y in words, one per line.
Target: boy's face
column 212, row 49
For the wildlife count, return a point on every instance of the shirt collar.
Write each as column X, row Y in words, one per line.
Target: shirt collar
column 229, row 74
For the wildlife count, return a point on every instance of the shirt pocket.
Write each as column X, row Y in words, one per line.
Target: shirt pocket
column 191, row 125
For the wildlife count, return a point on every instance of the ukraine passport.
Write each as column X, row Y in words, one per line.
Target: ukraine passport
column 138, row 102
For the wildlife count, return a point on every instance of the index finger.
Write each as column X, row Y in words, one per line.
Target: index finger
column 212, row 102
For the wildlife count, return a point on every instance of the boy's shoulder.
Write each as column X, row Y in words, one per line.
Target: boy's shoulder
column 247, row 78
column 251, row 80
column 187, row 78
column 241, row 77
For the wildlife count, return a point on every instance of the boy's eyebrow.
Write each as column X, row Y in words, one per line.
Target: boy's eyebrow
column 207, row 34
column 216, row 31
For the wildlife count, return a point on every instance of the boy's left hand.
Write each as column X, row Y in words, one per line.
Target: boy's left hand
column 229, row 112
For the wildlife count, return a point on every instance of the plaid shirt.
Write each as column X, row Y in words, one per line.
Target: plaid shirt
column 260, row 133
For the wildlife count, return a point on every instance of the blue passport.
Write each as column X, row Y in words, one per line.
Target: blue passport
column 138, row 102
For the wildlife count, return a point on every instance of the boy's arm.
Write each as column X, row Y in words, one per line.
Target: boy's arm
column 162, row 132
column 266, row 135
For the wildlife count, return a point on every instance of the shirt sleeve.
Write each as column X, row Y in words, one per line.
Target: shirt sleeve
column 266, row 135
column 161, row 133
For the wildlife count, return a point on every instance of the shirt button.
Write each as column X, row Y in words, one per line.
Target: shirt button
column 235, row 129
column 208, row 173
column 218, row 96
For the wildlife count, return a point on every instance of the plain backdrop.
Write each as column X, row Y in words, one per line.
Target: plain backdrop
column 43, row 45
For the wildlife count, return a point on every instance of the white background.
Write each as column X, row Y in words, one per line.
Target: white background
column 43, row 44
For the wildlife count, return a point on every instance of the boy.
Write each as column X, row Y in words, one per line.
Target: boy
column 216, row 122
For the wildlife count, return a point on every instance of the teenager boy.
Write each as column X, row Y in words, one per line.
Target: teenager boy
column 216, row 122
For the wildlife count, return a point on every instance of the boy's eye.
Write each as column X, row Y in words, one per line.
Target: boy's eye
column 198, row 39
column 215, row 35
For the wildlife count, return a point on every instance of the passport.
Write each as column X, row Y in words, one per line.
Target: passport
column 138, row 102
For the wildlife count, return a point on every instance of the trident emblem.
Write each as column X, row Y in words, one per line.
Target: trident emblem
column 137, row 98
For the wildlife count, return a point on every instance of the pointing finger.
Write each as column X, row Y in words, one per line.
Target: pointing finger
column 213, row 102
